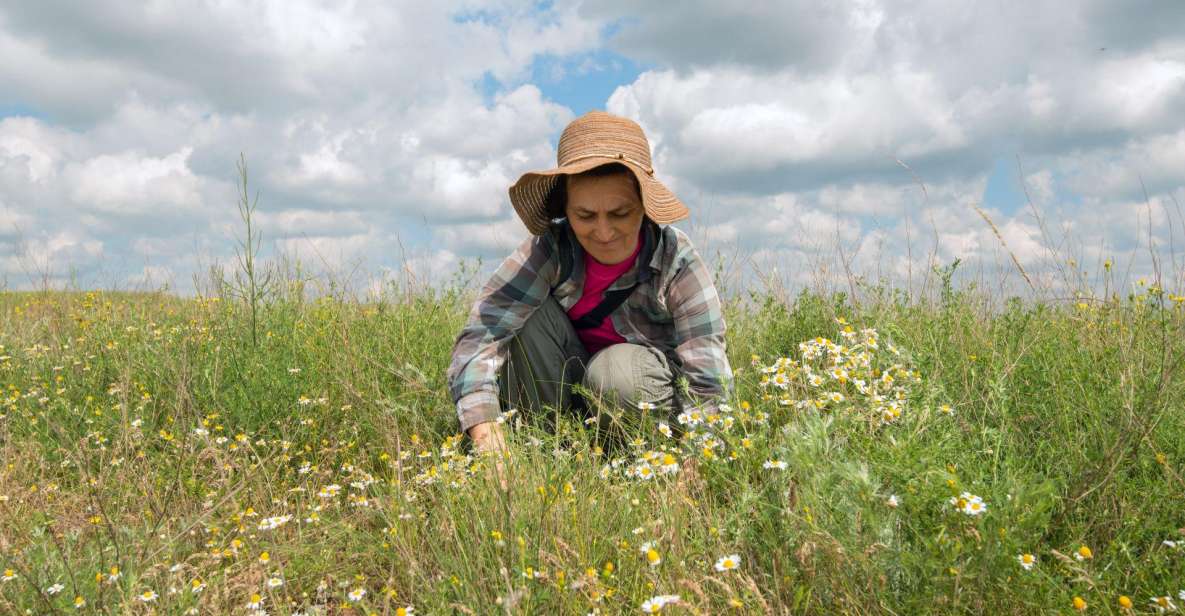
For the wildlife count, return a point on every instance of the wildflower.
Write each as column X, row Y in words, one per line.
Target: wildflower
column 654, row 605
column 275, row 582
column 728, row 563
column 1163, row 604
column 329, row 491
column 974, row 506
column 664, row 429
column 406, row 610
column 774, row 464
column 1027, row 560
column 669, row 464
column 968, row 503
column 274, row 522
column 1083, row 553
column 9, row 574
column 946, row 409
column 357, row 594
column 651, row 554
column 1079, row 603
column 79, row 602
column 148, row 596
column 113, row 575
column 256, row 602
column 264, row 557
column 1125, row 602
column 55, row 589
column 645, row 406
column 197, row 586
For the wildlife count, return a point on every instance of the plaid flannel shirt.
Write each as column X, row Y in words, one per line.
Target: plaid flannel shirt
column 676, row 310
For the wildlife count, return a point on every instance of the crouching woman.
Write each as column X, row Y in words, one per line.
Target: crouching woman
column 603, row 293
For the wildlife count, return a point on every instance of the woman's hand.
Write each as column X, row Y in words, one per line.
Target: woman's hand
column 488, row 438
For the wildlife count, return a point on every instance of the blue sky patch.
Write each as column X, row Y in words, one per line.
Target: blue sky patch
column 9, row 110
column 1003, row 191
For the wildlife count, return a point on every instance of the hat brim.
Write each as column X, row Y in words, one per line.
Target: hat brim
column 529, row 194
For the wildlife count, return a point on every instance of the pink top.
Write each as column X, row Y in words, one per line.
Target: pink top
column 597, row 278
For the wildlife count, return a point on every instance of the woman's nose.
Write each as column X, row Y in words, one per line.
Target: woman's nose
column 603, row 231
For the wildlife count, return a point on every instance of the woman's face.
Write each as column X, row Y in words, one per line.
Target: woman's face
column 605, row 213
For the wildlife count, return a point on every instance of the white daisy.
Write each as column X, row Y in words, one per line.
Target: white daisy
column 728, row 563
column 654, row 605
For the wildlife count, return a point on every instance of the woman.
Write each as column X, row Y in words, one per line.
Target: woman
column 601, row 294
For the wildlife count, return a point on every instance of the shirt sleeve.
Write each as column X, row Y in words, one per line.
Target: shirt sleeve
column 512, row 294
column 699, row 333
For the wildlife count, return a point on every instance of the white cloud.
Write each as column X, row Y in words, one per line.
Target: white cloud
column 371, row 140
column 129, row 182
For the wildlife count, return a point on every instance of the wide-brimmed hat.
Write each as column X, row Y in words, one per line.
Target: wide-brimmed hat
column 594, row 139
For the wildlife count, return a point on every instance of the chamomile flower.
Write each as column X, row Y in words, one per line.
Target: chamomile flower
column 1027, row 560
column 357, row 594
column 654, row 605
column 653, row 558
column 274, row 522
column 645, row 406
column 664, row 429
column 406, row 610
column 969, row 503
column 1083, row 553
column 728, row 563
column 669, row 464
column 256, row 602
column 774, row 464
column 974, row 507
column 1163, row 604
column 275, row 582
column 79, row 602
column 55, row 589
column 148, row 596
column 9, row 575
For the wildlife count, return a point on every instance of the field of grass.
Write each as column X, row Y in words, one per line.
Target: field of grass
column 158, row 457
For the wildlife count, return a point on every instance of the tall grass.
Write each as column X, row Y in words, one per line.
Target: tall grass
column 147, row 435
column 255, row 449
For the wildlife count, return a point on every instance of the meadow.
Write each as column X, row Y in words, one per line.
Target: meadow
column 892, row 455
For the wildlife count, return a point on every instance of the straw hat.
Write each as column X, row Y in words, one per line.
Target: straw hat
column 594, row 139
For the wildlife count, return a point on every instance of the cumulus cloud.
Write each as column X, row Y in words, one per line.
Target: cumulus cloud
column 387, row 135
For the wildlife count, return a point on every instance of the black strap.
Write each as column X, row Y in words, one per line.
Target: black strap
column 609, row 302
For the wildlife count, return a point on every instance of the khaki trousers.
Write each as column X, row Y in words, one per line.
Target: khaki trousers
column 547, row 358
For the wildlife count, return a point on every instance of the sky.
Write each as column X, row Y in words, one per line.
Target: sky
column 381, row 138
